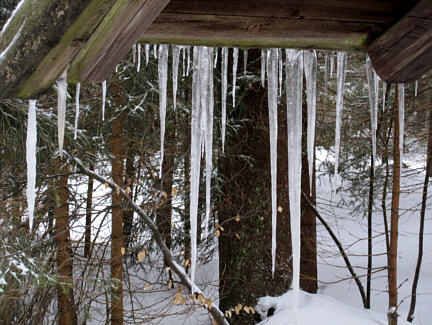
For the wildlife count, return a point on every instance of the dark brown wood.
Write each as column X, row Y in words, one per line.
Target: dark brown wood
column 402, row 54
column 114, row 37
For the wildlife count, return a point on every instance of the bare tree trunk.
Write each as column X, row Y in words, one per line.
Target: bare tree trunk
column 370, row 214
column 422, row 220
column 88, row 224
column 394, row 222
column 66, row 308
column 117, row 219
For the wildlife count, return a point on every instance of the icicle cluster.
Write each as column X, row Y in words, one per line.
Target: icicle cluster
column 61, row 109
column 373, row 81
column 31, row 161
column 294, row 86
column 341, row 72
column 163, row 80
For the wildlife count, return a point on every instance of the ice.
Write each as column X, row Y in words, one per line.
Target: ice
column 139, row 57
column 310, row 66
column 134, row 49
column 384, row 85
column 401, row 100
column 77, row 108
column 235, row 64
column 280, row 71
column 163, row 79
column 209, row 137
column 103, row 99
column 17, row 8
column 175, row 67
column 415, row 88
column 245, row 60
column 224, row 64
column 61, row 109
column 331, row 64
column 326, row 63
column 155, row 51
column 147, row 53
column 15, row 38
column 294, row 86
column 372, row 78
column 341, row 72
column 216, row 50
column 263, row 67
column 188, row 60
column 272, row 92
column 31, row 160
column 184, row 60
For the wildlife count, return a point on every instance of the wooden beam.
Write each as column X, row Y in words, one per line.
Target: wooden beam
column 114, row 38
column 41, row 40
column 403, row 53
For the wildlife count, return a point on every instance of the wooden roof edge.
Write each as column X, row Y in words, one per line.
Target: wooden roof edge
column 403, row 53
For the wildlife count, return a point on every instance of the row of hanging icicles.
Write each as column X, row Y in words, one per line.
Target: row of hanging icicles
column 202, row 61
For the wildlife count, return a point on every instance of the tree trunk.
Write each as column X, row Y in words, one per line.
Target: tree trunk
column 66, row 309
column 117, row 217
column 422, row 220
column 392, row 253
column 88, row 224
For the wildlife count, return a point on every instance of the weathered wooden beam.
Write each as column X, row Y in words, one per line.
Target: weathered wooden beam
column 41, row 40
column 113, row 38
column 403, row 53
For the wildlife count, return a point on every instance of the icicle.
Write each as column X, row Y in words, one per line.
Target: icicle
column 139, row 57
column 341, row 72
column 163, row 78
column 188, row 60
column 263, row 67
column 273, row 72
column 372, row 78
column 415, row 88
column 310, row 66
column 294, row 86
column 155, row 51
column 184, row 60
column 147, row 53
column 245, row 60
column 235, row 64
column 31, row 161
column 216, row 50
column 77, row 108
column 384, row 85
column 224, row 64
column 103, row 99
column 401, row 100
column 326, row 63
column 61, row 109
column 134, row 48
column 175, row 66
column 280, row 72
column 331, row 64
column 196, row 136
column 209, row 138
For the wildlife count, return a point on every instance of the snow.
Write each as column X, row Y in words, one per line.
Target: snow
column 31, row 160
column 401, row 100
column 175, row 67
column 77, row 108
column 310, row 66
column 235, row 64
column 341, row 72
column 163, row 80
column 17, row 35
column 317, row 309
column 224, row 65
column 61, row 109
column 104, row 89
column 273, row 125
column 372, row 78
column 294, row 87
column 5, row 26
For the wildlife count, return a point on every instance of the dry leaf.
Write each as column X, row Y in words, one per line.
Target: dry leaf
column 237, row 235
column 153, row 174
column 217, row 233
column 106, row 185
column 170, row 284
column 141, row 256
column 122, row 250
column 280, row 209
column 237, row 218
column 174, row 191
column 164, row 194
column 147, row 286
column 128, row 190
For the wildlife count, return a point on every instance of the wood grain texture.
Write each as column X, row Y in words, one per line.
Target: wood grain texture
column 403, row 53
column 114, row 37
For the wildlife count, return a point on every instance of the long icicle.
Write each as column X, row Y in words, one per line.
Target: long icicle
column 272, row 92
column 163, row 79
column 31, row 161
column 77, row 108
column 263, row 67
column 224, row 64
column 147, row 53
column 139, row 57
column 235, row 64
column 280, row 72
column 311, row 68
column 61, row 109
column 245, row 60
column 104, row 89
column 372, row 78
column 294, row 86
column 341, row 72
column 401, row 100
column 175, row 68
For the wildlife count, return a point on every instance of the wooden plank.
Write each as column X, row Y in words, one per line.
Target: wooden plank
column 370, row 11
column 50, row 35
column 403, row 53
column 246, row 31
column 113, row 38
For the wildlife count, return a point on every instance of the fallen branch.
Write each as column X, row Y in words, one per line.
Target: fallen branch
column 175, row 267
